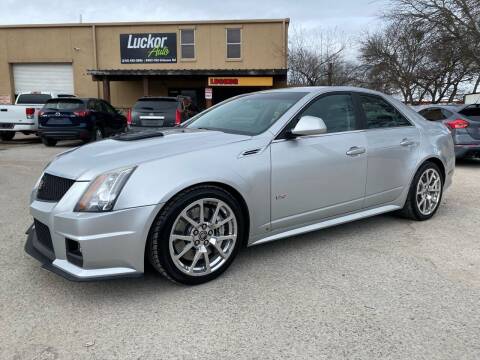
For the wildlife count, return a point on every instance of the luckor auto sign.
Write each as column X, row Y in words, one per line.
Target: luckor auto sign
column 148, row 48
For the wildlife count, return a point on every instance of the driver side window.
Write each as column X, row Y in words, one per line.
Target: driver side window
column 337, row 112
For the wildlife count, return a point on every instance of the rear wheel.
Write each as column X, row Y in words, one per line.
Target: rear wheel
column 197, row 235
column 48, row 141
column 7, row 135
column 425, row 193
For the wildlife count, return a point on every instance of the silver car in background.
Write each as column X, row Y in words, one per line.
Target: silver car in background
column 464, row 123
column 256, row 168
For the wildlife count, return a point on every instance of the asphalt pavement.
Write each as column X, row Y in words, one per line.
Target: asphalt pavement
column 380, row 288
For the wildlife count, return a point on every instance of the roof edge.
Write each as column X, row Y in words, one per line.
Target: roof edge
column 150, row 23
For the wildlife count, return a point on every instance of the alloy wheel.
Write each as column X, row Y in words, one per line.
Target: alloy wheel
column 203, row 237
column 428, row 194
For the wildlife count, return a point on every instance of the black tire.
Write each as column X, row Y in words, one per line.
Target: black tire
column 157, row 248
column 49, row 142
column 7, row 135
column 411, row 210
column 93, row 135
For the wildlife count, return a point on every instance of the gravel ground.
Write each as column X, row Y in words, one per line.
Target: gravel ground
column 380, row 288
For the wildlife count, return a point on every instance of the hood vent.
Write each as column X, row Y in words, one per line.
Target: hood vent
column 250, row 152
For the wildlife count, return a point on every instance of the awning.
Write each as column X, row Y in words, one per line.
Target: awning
column 114, row 74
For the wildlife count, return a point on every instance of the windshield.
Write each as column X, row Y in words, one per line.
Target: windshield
column 64, row 104
column 250, row 114
column 33, row 98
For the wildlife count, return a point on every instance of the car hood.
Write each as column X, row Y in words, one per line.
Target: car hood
column 86, row 162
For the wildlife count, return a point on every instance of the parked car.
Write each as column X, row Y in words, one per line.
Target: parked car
column 464, row 123
column 75, row 118
column 22, row 116
column 161, row 111
column 257, row 168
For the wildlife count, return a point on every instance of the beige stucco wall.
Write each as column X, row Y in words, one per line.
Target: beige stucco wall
column 263, row 47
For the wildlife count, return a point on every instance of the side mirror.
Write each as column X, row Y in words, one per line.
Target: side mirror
column 309, row 125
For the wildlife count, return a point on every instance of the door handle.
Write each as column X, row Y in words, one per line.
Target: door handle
column 355, row 150
column 407, row 142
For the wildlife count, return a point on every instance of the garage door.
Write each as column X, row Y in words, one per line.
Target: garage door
column 56, row 78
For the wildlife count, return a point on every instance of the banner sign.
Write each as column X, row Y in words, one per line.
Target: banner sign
column 148, row 48
column 241, row 81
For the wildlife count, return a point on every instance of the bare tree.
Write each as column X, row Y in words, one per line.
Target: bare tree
column 458, row 20
column 393, row 58
column 314, row 56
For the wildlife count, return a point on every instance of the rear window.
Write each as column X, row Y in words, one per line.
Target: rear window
column 33, row 98
column 156, row 104
column 471, row 112
column 64, row 104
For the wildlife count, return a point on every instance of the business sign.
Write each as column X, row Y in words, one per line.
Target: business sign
column 208, row 93
column 241, row 81
column 148, row 48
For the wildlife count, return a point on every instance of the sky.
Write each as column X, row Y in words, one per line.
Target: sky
column 349, row 17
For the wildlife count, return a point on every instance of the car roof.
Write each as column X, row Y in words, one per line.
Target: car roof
column 322, row 89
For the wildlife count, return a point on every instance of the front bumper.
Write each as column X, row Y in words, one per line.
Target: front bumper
column 112, row 243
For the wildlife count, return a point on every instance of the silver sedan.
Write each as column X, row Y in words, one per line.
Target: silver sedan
column 256, row 168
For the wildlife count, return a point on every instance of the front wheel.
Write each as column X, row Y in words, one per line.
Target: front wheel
column 425, row 193
column 197, row 235
column 7, row 135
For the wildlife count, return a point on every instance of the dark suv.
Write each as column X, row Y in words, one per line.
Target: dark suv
column 161, row 111
column 75, row 118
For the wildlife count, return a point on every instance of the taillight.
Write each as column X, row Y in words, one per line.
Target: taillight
column 457, row 124
column 30, row 112
column 178, row 117
column 129, row 116
column 81, row 113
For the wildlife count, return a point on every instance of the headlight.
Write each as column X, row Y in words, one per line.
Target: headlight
column 102, row 193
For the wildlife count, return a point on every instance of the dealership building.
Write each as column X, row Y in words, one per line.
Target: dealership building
column 120, row 62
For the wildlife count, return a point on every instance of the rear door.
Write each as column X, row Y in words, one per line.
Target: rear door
column 155, row 112
column 392, row 146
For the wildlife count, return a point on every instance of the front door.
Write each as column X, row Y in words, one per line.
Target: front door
column 392, row 143
column 320, row 176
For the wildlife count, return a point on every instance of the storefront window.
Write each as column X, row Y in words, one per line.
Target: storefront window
column 234, row 42
column 187, row 40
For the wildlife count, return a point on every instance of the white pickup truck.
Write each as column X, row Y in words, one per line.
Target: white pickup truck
column 23, row 116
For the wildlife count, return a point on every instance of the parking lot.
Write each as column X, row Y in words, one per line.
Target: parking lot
column 380, row 288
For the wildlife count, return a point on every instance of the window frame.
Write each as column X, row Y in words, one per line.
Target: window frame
column 240, row 44
column 194, row 58
column 363, row 116
column 295, row 118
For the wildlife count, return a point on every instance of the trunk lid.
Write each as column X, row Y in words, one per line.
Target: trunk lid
column 155, row 112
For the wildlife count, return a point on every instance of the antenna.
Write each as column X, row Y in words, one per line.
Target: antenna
column 81, row 18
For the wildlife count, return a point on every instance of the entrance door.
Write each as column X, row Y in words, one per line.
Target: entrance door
column 316, row 177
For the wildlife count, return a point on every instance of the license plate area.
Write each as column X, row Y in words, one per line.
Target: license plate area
column 59, row 121
column 151, row 122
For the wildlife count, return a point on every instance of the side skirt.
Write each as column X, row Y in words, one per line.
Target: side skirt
column 327, row 223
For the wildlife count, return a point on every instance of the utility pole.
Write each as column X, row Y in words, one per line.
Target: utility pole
column 330, row 74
